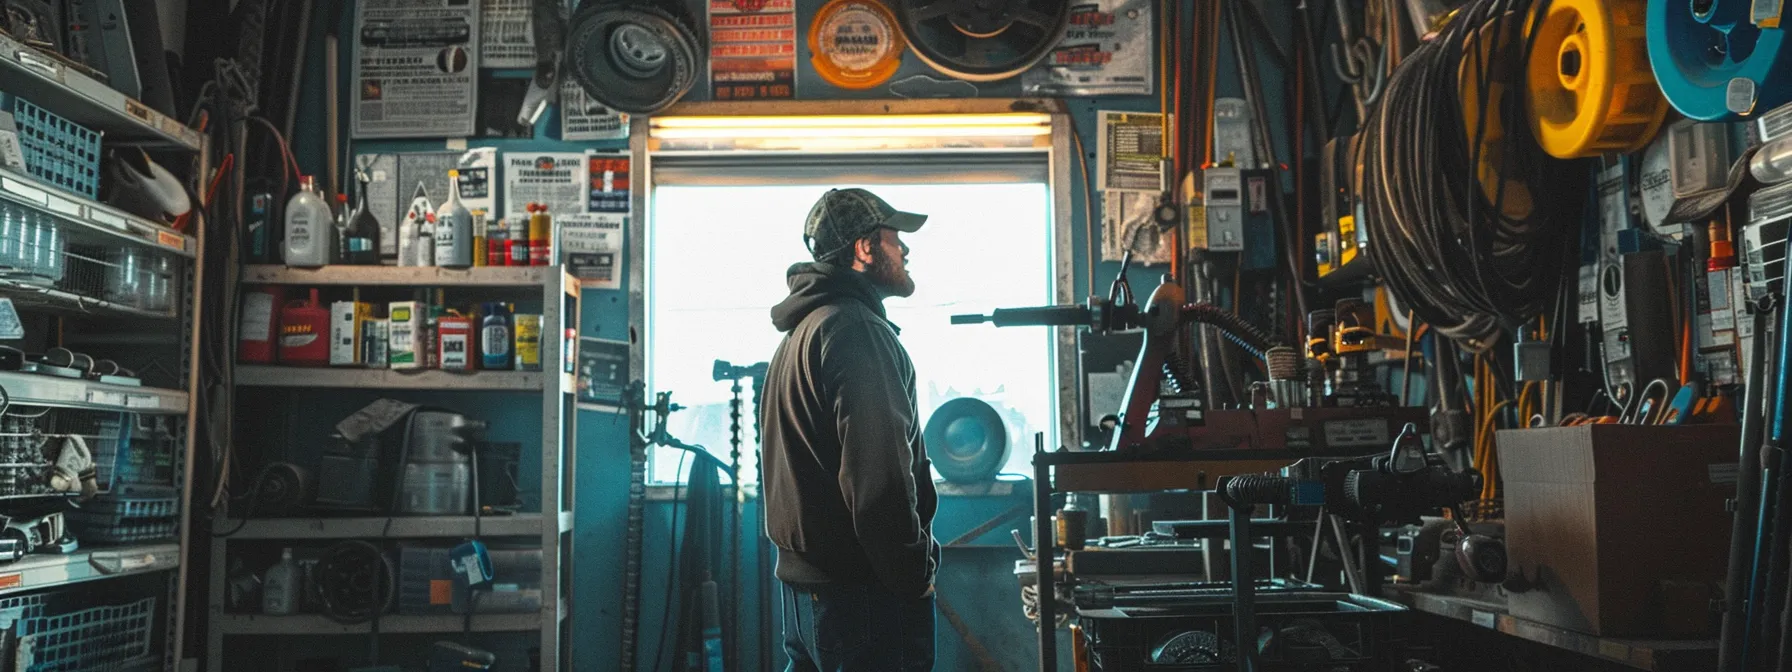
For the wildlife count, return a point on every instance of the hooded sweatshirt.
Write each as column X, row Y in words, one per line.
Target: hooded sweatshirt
column 849, row 495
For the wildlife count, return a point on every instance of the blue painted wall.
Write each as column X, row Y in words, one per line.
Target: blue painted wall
column 977, row 579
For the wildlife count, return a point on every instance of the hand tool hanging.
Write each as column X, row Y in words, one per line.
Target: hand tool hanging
column 547, row 20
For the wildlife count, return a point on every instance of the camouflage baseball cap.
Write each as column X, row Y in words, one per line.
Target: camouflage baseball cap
column 843, row 216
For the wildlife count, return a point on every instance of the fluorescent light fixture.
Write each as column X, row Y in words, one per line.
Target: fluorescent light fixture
column 858, row 126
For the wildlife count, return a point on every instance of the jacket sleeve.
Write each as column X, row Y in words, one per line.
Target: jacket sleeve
column 876, row 475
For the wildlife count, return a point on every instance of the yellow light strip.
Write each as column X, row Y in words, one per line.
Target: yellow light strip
column 877, row 122
column 854, row 132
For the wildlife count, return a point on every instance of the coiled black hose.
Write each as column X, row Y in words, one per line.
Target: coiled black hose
column 1236, row 329
column 1249, row 490
column 354, row 582
column 1178, row 373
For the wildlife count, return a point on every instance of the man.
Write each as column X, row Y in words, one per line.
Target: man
column 849, row 496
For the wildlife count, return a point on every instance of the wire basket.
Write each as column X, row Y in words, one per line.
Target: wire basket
column 101, row 638
column 37, row 253
column 61, row 153
column 31, row 438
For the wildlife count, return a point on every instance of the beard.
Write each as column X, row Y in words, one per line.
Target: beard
column 889, row 275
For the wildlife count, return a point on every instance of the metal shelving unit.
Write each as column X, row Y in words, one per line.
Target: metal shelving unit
column 47, row 81
column 389, row 379
column 38, row 390
column 312, row 625
column 401, row 276
column 52, row 84
column 558, row 294
column 92, row 221
column 418, row 527
column 37, row 572
column 100, row 230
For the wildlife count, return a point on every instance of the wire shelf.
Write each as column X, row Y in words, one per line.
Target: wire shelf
column 41, row 266
column 31, row 439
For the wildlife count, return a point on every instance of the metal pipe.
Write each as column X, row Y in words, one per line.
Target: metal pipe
column 1244, row 616
column 1766, row 524
column 1346, row 553
column 1211, row 382
column 1045, row 574
column 1748, row 484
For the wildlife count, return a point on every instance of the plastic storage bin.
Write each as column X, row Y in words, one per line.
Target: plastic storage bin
column 59, row 152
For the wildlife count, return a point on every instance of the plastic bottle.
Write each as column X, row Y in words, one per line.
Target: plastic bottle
column 340, row 254
column 518, row 238
column 426, row 240
column 54, row 249
column 280, row 587
column 363, row 230
column 497, row 245
column 541, row 236
column 407, row 239
column 454, row 228
column 481, row 225
column 11, row 235
column 308, row 222
column 494, row 338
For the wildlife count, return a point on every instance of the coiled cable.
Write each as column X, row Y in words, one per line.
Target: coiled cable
column 1470, row 268
column 354, row 582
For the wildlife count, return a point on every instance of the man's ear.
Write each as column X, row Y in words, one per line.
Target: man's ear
column 861, row 250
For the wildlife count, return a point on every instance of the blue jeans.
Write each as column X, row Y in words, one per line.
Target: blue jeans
column 844, row 628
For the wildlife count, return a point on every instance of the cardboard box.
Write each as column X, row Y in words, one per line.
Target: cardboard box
column 348, row 321
column 405, row 346
column 1621, row 530
column 373, row 344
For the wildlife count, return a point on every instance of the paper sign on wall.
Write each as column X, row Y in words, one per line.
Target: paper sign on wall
column 752, row 49
column 592, row 245
column 555, row 179
column 582, row 118
column 414, row 73
column 609, row 183
column 1131, row 146
column 1105, row 52
column 603, row 371
column 507, row 40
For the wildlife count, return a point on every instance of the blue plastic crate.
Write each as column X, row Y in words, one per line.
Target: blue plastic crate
column 125, row 520
column 61, row 153
column 98, row 638
column 31, row 606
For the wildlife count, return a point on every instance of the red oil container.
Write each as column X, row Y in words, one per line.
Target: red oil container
column 258, row 330
column 305, row 333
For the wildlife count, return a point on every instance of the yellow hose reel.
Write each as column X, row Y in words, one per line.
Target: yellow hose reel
column 857, row 44
column 1592, row 91
column 1481, row 61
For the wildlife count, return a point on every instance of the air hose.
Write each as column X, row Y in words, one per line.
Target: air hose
column 1236, row 329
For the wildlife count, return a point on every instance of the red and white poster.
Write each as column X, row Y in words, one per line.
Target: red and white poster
column 752, row 49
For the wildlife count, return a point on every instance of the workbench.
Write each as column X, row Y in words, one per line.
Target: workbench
column 1654, row 655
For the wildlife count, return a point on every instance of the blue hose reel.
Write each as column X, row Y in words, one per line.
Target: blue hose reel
column 1720, row 60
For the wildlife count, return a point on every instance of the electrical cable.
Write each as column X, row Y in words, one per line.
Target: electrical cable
column 1471, row 269
column 672, row 549
column 1093, row 253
